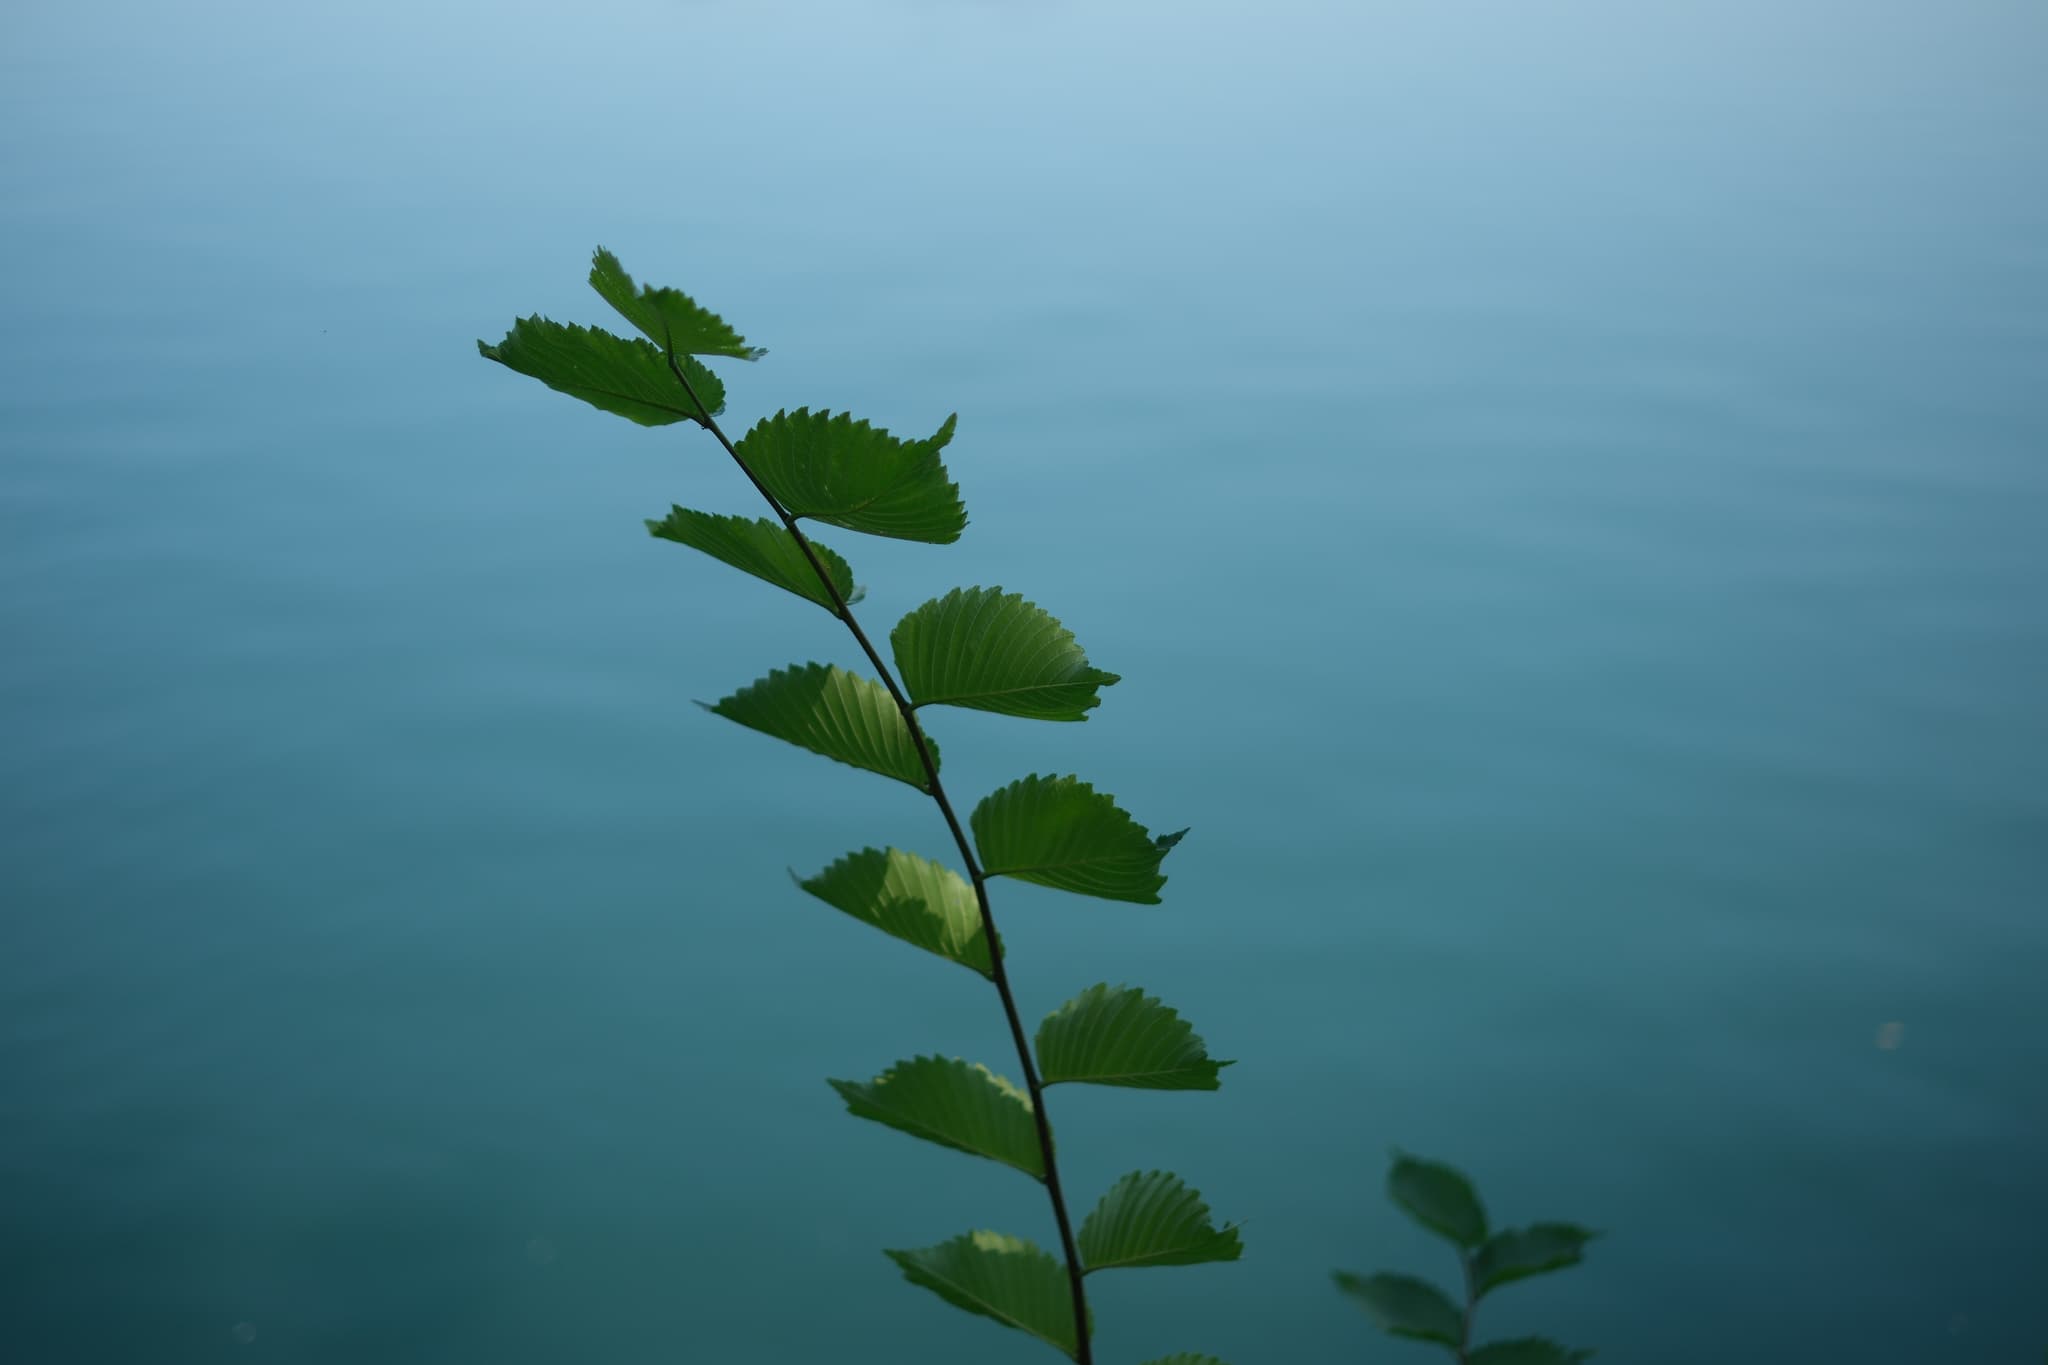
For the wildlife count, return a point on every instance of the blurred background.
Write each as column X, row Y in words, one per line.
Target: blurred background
column 1564, row 484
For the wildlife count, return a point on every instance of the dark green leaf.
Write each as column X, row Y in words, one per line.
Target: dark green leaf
column 1527, row 1351
column 618, row 374
column 850, row 474
column 1152, row 1218
column 956, row 1104
column 760, row 547
column 1061, row 832
column 994, row 651
column 1517, row 1253
column 670, row 319
column 829, row 711
column 919, row 901
column 1438, row 1197
column 1404, row 1306
column 1002, row 1277
column 1118, row 1035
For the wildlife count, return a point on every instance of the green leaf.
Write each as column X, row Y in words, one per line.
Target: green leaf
column 1061, row 832
column 850, row 474
column 1404, row 1306
column 1118, row 1035
column 1518, row 1253
column 762, row 548
column 921, row 902
column 1001, row 1277
column 1438, row 1197
column 670, row 319
column 618, row 374
column 1153, row 1218
column 1527, row 1351
column 823, row 708
column 994, row 651
column 956, row 1104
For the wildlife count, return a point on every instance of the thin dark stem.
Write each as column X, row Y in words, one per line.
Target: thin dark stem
column 1471, row 1307
column 1083, row 1352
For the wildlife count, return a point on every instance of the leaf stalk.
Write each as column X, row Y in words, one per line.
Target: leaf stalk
column 1471, row 1306
column 1083, row 1354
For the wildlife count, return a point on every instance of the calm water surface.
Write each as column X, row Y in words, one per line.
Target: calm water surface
column 1566, row 485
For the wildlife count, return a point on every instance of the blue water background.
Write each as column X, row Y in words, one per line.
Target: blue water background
column 1566, row 485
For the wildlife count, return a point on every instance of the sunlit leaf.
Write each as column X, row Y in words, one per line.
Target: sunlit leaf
column 624, row 375
column 1404, row 1306
column 956, row 1104
column 917, row 900
column 1517, row 1253
column 1153, row 1218
column 1527, row 1351
column 829, row 711
column 998, row 1276
column 834, row 469
column 1118, row 1035
column 760, row 547
column 1439, row 1197
column 670, row 319
column 1061, row 832
column 994, row 651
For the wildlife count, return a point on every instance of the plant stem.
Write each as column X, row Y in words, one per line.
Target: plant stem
column 1471, row 1307
column 1083, row 1352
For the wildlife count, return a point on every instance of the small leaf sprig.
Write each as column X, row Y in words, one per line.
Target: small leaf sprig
column 980, row 648
column 1441, row 1199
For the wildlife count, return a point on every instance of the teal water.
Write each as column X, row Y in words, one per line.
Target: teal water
column 1565, row 487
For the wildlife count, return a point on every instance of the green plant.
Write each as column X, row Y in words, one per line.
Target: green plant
column 1442, row 1200
column 980, row 648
